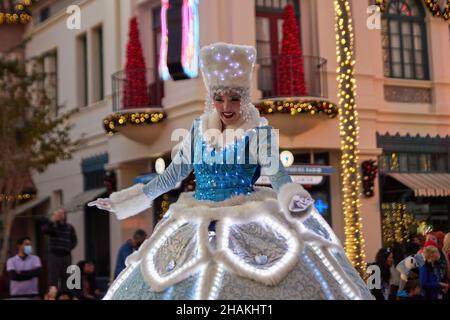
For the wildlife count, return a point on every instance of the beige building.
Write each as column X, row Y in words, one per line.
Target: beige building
column 403, row 103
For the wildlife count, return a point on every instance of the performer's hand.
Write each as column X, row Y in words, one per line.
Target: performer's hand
column 102, row 204
column 300, row 203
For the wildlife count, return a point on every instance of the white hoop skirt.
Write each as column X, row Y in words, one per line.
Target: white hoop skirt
column 254, row 252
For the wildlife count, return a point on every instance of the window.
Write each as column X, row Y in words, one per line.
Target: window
column 157, row 85
column 51, row 79
column 97, row 63
column 82, row 67
column 44, row 14
column 93, row 170
column 404, row 40
column 414, row 162
column 58, row 198
column 269, row 37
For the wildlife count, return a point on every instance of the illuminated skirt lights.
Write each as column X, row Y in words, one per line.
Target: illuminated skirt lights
column 241, row 248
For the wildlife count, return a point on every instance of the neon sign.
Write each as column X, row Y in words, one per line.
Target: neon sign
column 179, row 39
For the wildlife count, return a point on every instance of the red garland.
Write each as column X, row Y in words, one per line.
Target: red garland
column 135, row 91
column 290, row 68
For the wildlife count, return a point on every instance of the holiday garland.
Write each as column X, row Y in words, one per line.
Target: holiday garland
column 432, row 5
column 298, row 106
column 114, row 121
column 20, row 13
column 24, row 196
column 369, row 173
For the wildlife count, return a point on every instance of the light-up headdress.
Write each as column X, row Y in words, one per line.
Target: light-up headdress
column 227, row 67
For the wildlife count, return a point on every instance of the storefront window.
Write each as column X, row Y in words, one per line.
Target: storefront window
column 394, row 162
column 440, row 162
column 413, row 162
column 383, row 162
column 403, row 162
column 425, row 162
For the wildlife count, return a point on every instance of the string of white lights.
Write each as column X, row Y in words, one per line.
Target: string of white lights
column 119, row 281
column 271, row 275
column 319, row 277
column 349, row 292
column 160, row 282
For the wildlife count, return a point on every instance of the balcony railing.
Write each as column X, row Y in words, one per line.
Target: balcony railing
column 125, row 93
column 273, row 70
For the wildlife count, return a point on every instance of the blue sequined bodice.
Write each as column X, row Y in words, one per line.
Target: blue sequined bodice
column 230, row 176
column 225, row 172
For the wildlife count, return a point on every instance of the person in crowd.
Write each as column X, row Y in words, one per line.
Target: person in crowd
column 398, row 254
column 441, row 263
column 65, row 295
column 439, row 235
column 431, row 283
column 384, row 260
column 62, row 240
column 51, row 294
column 24, row 270
column 409, row 268
column 89, row 289
column 411, row 291
column 128, row 248
column 446, row 255
column 413, row 246
column 446, row 252
column 431, row 237
column 419, row 239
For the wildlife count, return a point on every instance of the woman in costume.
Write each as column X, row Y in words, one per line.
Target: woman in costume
column 230, row 239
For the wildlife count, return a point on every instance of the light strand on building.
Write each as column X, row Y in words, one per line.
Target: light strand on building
column 348, row 117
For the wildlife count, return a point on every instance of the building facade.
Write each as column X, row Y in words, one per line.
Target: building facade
column 403, row 104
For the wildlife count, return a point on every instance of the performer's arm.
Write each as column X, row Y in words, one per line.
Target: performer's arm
column 294, row 200
column 133, row 200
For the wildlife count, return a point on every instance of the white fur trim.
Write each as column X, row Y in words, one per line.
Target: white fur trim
column 211, row 125
column 187, row 200
column 130, row 201
column 285, row 195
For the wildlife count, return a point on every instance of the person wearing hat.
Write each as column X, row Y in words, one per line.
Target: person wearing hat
column 231, row 239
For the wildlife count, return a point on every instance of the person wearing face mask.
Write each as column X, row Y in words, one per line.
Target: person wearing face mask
column 24, row 270
column 128, row 248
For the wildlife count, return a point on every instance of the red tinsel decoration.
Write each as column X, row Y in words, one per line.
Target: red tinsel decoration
column 291, row 71
column 135, row 92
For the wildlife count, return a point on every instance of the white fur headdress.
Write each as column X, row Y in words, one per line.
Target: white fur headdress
column 228, row 67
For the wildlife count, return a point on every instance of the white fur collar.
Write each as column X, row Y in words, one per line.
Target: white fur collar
column 211, row 127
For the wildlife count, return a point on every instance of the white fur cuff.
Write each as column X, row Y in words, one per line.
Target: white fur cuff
column 285, row 195
column 130, row 201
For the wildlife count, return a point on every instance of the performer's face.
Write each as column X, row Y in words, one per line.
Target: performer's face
column 228, row 106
